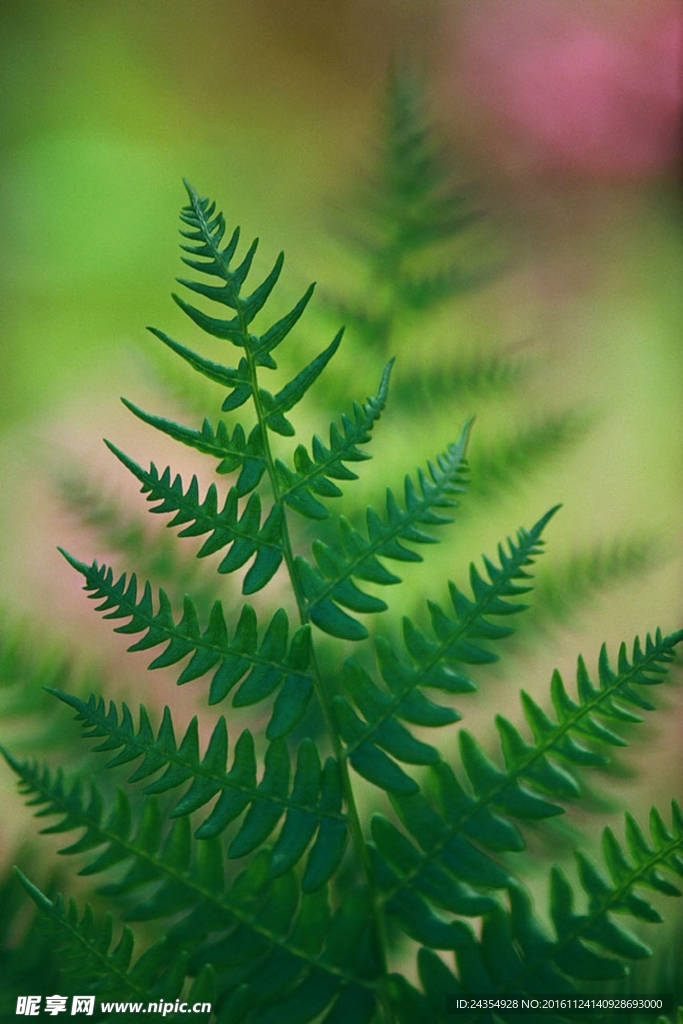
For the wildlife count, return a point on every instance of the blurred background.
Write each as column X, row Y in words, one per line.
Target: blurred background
column 563, row 118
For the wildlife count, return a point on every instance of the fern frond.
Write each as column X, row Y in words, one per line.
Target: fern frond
column 435, row 664
column 155, row 553
column 585, row 727
column 239, row 529
column 234, row 451
column 86, row 951
column 317, row 474
column 588, row 945
column 261, row 868
column 254, row 920
column 311, row 475
column 156, row 857
column 327, row 959
column 330, row 583
column 311, row 804
column 458, row 831
column 515, row 954
column 506, row 461
column 261, row 668
column 208, row 230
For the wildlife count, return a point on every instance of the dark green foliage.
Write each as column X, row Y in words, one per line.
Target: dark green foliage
column 91, row 958
column 285, row 888
column 261, row 668
column 27, row 959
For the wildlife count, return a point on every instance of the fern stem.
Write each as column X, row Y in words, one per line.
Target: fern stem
column 366, row 867
column 354, row 822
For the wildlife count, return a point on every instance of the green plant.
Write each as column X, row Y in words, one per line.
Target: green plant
column 324, row 863
column 417, row 237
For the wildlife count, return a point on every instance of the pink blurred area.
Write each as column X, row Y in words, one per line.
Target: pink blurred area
column 592, row 89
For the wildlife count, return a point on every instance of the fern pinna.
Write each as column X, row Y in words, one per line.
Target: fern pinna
column 280, row 904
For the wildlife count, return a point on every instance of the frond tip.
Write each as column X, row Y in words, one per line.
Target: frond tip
column 244, row 530
column 87, row 953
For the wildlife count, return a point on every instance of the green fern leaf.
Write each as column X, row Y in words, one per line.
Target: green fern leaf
column 311, row 806
column 155, row 553
column 260, row 668
column 436, row 664
column 234, row 451
column 532, row 772
column 515, row 954
column 293, row 392
column 461, row 829
column 237, row 380
column 311, row 475
column 257, row 911
column 254, row 857
column 87, row 953
column 240, row 530
column 329, row 583
column 588, row 945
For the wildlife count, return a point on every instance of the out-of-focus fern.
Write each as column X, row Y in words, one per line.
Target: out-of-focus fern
column 28, row 668
column 287, row 878
column 409, row 217
column 416, row 235
column 503, row 463
column 677, row 1019
column 27, row 958
column 570, row 589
